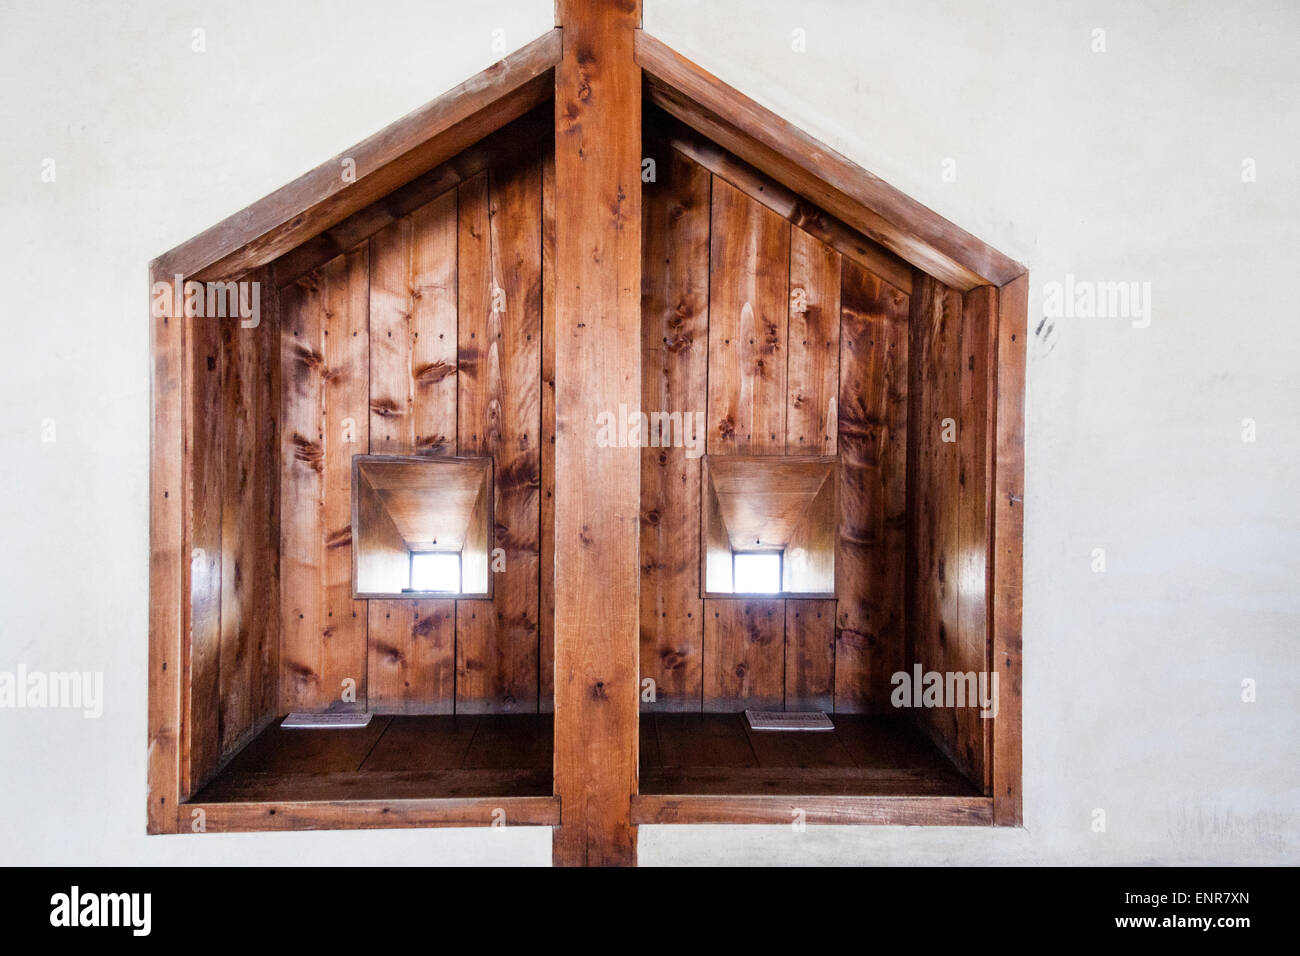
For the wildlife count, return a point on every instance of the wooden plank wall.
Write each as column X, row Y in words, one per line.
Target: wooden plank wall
column 951, row 404
column 500, row 415
column 674, row 350
column 411, row 665
column 790, row 346
column 873, row 425
column 233, row 512
column 426, row 337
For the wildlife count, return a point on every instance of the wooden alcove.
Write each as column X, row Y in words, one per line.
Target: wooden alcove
column 478, row 290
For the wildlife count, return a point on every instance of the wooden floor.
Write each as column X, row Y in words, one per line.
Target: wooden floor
column 719, row 754
column 404, row 758
column 394, row 758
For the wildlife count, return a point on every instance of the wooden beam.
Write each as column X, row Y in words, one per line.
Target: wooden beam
column 818, row 173
column 168, row 573
column 597, row 368
column 816, row 810
column 375, row 814
column 1006, row 554
column 374, row 167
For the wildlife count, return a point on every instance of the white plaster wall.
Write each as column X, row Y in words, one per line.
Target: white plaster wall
column 1122, row 165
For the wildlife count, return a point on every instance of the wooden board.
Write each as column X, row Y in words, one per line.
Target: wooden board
column 749, row 265
column 500, row 336
column 230, row 661
column 324, row 351
column 411, row 650
column 204, row 497
column 265, row 539
column 974, row 520
column 813, row 372
column 597, row 368
column 1007, row 543
column 241, row 526
column 810, row 655
column 947, row 611
column 869, row 642
column 412, row 657
column 744, row 655
column 546, row 538
column 674, row 374
column 840, row 809
column 748, row 319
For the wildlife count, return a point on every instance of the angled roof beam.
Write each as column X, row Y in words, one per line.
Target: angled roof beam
column 391, row 158
column 818, row 173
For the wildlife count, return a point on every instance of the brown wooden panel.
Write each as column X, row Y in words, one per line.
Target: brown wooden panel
column 810, row 655
column 744, row 655
column 169, row 562
column 234, row 517
column 974, row 519
column 869, row 567
column 936, row 640
column 748, row 320
column 205, row 493
column 240, row 524
column 412, row 657
column 302, row 489
column 546, row 582
column 674, row 374
column 264, row 541
column 749, row 265
column 941, row 811
column 413, row 307
column 1007, row 543
column 500, row 334
column 390, row 812
column 347, row 429
column 324, row 351
column 814, row 347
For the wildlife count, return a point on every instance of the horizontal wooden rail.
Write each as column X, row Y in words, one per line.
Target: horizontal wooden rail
column 370, row 814
column 816, row 810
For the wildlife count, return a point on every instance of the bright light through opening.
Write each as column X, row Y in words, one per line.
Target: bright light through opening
column 435, row 571
column 757, row 573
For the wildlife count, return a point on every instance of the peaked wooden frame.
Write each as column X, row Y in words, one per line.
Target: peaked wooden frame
column 595, row 65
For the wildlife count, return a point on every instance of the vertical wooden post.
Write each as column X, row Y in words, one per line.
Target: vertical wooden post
column 597, row 369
